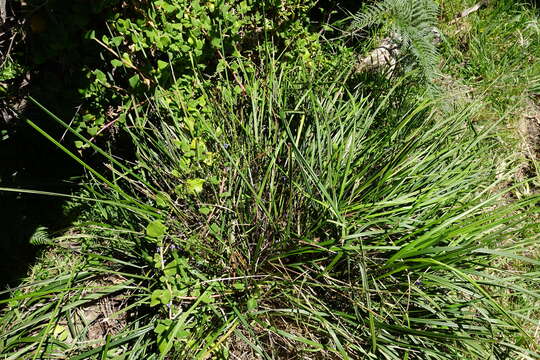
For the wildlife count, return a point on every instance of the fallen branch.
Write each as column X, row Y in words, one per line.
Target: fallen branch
column 387, row 53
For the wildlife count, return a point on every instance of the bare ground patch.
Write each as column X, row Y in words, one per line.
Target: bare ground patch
column 529, row 132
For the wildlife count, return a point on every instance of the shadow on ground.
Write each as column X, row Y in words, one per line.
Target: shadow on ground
column 51, row 47
column 29, row 161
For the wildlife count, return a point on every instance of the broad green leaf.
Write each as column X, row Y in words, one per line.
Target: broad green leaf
column 160, row 297
column 194, row 186
column 117, row 40
column 205, row 210
column 171, row 268
column 134, row 80
column 92, row 131
column 116, row 63
column 156, row 229
column 162, row 64
column 100, row 76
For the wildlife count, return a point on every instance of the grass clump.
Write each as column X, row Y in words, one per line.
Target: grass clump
column 279, row 210
column 337, row 225
column 298, row 218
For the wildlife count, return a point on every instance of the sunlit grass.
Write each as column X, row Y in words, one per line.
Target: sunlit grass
column 285, row 213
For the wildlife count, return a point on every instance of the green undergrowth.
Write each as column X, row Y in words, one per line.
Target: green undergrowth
column 496, row 51
column 295, row 218
column 493, row 56
column 115, row 50
column 295, row 209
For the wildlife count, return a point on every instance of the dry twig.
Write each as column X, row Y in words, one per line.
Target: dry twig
column 469, row 11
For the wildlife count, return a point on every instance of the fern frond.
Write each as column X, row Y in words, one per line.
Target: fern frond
column 40, row 237
column 373, row 14
column 412, row 23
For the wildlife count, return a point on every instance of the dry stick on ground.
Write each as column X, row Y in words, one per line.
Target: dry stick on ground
column 387, row 53
column 469, row 11
column 3, row 13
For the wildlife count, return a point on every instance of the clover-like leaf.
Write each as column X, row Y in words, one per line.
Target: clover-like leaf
column 156, row 229
column 160, row 297
column 194, row 186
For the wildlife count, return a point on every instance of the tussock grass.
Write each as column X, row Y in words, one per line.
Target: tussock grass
column 328, row 224
column 282, row 211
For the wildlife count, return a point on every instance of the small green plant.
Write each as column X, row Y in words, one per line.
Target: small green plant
column 115, row 50
column 40, row 237
column 162, row 44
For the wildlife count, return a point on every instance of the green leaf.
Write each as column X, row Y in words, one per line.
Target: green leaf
column 162, row 64
column 171, row 269
column 160, row 297
column 163, row 344
column 214, row 228
column 216, row 42
column 214, row 180
column 162, row 326
column 194, row 186
column 116, row 63
column 182, row 334
column 156, row 229
column 221, row 66
column 60, row 332
column 162, row 199
column 239, row 286
column 117, row 40
column 206, row 297
column 100, row 76
column 251, row 303
column 134, row 80
column 90, row 35
column 205, row 210
column 92, row 131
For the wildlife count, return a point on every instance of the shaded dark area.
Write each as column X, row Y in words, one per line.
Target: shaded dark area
column 329, row 11
column 49, row 43
column 535, row 3
column 29, row 161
